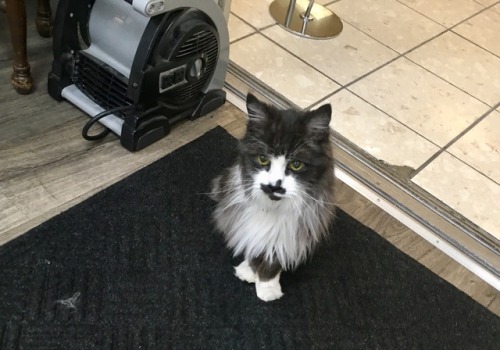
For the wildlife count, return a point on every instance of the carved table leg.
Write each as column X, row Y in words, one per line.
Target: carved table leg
column 44, row 18
column 16, row 17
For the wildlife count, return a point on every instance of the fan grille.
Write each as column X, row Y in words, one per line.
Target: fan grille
column 203, row 42
column 100, row 82
column 108, row 88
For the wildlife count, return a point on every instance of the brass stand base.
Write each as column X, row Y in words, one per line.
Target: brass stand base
column 306, row 19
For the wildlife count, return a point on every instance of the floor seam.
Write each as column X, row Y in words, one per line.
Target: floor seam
column 455, row 139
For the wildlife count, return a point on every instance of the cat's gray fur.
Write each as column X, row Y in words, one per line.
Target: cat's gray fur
column 275, row 203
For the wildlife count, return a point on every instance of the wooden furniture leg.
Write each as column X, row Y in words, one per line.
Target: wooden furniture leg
column 16, row 18
column 44, row 18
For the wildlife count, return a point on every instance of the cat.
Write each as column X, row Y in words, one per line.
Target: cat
column 275, row 203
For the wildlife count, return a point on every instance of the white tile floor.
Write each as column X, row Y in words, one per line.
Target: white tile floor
column 411, row 82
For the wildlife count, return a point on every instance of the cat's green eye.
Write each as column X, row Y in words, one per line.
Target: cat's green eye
column 263, row 160
column 296, row 165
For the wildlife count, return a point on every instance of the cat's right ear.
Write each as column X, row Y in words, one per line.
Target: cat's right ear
column 255, row 108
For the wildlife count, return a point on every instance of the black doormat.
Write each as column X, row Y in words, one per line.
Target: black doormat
column 139, row 266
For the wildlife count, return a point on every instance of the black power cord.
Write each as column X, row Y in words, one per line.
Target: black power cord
column 95, row 119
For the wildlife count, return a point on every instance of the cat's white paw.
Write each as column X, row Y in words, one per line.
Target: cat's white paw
column 269, row 290
column 245, row 273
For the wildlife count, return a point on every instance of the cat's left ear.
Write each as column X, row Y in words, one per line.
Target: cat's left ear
column 256, row 109
column 319, row 121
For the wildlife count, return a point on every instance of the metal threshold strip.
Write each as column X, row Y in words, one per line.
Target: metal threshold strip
column 443, row 227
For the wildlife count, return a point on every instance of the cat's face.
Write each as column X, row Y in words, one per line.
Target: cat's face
column 285, row 153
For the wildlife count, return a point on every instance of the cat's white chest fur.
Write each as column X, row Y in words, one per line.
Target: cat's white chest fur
column 258, row 226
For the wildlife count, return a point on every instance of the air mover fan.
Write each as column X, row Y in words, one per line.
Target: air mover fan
column 139, row 66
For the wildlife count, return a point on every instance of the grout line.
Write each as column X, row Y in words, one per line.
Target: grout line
column 472, row 167
column 384, row 112
column 461, row 161
column 467, row 129
column 377, row 40
column 400, row 55
column 255, row 30
column 455, row 139
column 448, row 82
column 393, row 118
column 267, row 27
column 454, row 25
column 329, row 3
column 302, row 60
column 420, row 13
column 450, row 29
column 377, row 108
column 325, row 98
column 244, row 21
column 426, row 163
column 496, row 3
column 368, row 35
column 261, row 30
column 242, row 38
column 476, row 44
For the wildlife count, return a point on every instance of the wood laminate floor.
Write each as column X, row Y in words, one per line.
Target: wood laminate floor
column 46, row 167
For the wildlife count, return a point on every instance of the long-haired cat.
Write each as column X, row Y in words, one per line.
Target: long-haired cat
column 276, row 202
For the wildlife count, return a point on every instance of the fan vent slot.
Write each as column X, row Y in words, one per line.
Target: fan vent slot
column 100, row 82
column 203, row 42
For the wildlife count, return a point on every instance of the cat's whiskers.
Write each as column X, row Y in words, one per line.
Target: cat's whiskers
column 299, row 196
column 316, row 220
column 322, row 203
column 239, row 203
column 294, row 202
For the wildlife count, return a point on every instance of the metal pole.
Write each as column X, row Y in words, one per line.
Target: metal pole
column 305, row 20
column 289, row 13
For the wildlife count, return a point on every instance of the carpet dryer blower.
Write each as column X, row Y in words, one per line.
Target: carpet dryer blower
column 138, row 66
